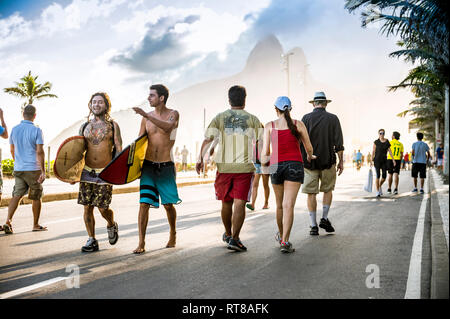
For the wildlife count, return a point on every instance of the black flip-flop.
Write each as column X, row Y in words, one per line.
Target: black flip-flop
column 8, row 229
column 139, row 252
column 41, row 228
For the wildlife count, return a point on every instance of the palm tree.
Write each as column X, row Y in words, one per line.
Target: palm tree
column 423, row 30
column 29, row 89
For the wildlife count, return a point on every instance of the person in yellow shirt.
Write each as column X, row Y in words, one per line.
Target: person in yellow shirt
column 397, row 155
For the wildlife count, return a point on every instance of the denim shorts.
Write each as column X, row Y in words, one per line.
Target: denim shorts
column 291, row 171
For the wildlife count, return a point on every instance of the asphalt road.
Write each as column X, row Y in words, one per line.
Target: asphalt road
column 373, row 236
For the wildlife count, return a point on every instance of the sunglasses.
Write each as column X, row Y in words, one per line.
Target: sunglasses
column 381, row 133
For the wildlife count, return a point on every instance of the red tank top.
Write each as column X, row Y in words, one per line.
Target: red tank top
column 285, row 147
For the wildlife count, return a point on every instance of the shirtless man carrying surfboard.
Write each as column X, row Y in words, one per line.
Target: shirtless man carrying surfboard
column 158, row 170
column 103, row 141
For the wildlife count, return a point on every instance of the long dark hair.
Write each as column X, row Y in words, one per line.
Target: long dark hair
column 291, row 125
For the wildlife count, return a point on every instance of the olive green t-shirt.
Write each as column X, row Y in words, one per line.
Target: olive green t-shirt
column 236, row 130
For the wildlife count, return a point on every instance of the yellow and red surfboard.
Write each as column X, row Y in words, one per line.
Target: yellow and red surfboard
column 127, row 166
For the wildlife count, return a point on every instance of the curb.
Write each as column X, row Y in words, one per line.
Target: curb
column 439, row 254
column 74, row 195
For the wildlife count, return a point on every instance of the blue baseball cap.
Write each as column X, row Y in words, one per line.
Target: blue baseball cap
column 283, row 102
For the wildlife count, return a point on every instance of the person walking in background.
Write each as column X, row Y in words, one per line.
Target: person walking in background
column 354, row 159
column 440, row 156
column 405, row 161
column 381, row 147
column 177, row 159
column 369, row 159
column 27, row 150
column 184, row 160
column 325, row 133
column 397, row 155
column 420, row 156
column 235, row 129
column 284, row 135
column 3, row 134
column 408, row 161
column 359, row 159
column 261, row 172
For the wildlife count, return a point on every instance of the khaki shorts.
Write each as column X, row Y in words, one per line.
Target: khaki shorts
column 327, row 179
column 26, row 181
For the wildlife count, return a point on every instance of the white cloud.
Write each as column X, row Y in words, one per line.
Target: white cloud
column 13, row 30
column 183, row 36
column 54, row 19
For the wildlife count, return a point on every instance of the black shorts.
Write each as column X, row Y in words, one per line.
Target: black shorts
column 380, row 166
column 391, row 168
column 287, row 171
column 419, row 168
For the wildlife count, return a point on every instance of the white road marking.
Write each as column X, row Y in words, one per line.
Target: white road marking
column 253, row 217
column 32, row 287
column 415, row 266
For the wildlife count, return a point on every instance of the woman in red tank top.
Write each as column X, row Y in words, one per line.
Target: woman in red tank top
column 286, row 165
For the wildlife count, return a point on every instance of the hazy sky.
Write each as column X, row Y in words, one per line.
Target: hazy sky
column 121, row 47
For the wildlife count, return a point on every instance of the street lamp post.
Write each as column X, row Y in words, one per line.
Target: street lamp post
column 304, row 86
column 286, row 58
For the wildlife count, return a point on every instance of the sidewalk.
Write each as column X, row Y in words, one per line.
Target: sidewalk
column 54, row 189
column 439, row 203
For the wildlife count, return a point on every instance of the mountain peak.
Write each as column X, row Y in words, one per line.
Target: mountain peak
column 266, row 53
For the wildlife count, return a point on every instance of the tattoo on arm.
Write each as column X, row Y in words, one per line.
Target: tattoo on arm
column 117, row 137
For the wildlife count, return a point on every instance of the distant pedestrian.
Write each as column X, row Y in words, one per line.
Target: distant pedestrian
column 325, row 133
column 184, row 160
column 369, row 158
column 284, row 136
column 420, row 154
column 440, row 156
column 381, row 147
column 3, row 134
column 359, row 159
column 354, row 159
column 235, row 129
column 177, row 159
column 406, row 158
column 27, row 150
column 394, row 169
column 261, row 172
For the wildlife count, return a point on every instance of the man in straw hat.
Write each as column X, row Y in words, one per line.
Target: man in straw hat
column 326, row 138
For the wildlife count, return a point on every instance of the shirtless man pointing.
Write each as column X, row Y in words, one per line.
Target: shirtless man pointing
column 158, row 170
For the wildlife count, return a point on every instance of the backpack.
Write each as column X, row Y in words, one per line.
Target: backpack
column 114, row 151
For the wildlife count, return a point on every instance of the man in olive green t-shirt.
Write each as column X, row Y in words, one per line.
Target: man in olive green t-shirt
column 235, row 130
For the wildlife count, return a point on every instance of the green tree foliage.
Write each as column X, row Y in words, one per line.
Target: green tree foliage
column 30, row 90
column 422, row 27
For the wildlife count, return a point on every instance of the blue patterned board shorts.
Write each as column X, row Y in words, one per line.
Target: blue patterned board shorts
column 158, row 180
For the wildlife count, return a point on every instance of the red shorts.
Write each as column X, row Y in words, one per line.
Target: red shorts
column 231, row 186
